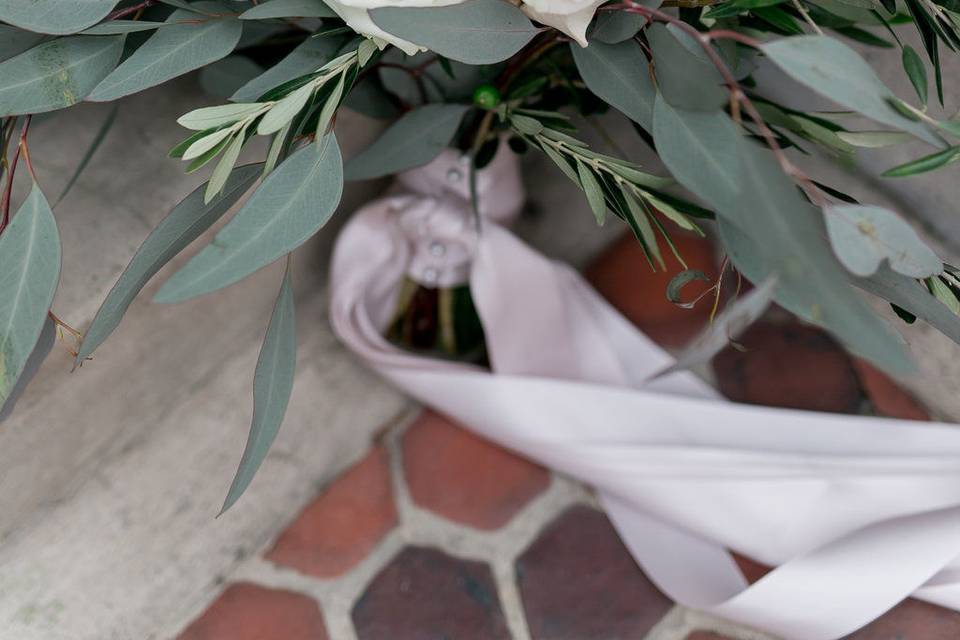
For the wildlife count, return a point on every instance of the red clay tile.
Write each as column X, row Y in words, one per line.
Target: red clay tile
column 466, row 478
column 912, row 620
column 751, row 569
column 250, row 612
column 425, row 594
column 578, row 581
column 341, row 526
column 888, row 398
column 706, row 635
column 623, row 276
column 789, row 365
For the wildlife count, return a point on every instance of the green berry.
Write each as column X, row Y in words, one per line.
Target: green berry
column 486, row 96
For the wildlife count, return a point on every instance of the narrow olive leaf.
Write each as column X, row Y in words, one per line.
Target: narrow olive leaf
column 91, row 150
column 413, row 140
column 285, row 110
column 330, row 107
column 184, row 224
column 30, row 264
column 944, row 294
column 679, row 281
column 590, row 186
column 120, row 27
column 734, row 319
column 206, row 143
column 619, row 75
column 863, row 236
column 291, row 205
column 222, row 171
column 289, row 9
column 276, row 146
column 54, row 16
column 526, row 125
column 272, row 385
column 562, row 163
column 172, row 51
column 474, row 32
column 873, row 139
column 685, row 76
column 48, row 338
column 837, row 72
column 916, row 71
column 640, row 225
column 56, row 74
column 207, row 117
column 924, row 164
column 309, row 56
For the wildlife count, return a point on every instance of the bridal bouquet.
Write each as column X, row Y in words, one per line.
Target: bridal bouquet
column 481, row 77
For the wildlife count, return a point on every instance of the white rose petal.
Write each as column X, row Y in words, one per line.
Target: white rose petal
column 570, row 16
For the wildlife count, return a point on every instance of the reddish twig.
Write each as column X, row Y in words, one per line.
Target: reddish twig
column 11, row 171
column 120, row 13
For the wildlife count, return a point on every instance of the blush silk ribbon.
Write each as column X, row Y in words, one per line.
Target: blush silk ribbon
column 856, row 513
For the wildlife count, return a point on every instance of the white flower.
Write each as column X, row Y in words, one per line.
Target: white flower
column 570, row 16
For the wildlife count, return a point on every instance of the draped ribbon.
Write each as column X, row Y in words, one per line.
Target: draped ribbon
column 856, row 513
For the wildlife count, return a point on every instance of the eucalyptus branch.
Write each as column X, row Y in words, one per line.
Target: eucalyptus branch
column 737, row 96
column 11, row 171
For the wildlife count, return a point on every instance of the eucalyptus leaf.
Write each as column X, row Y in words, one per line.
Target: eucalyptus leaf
column 734, row 319
column 307, row 57
column 30, row 264
column 54, row 16
column 619, row 75
column 291, row 205
column 120, row 27
column 612, row 27
column 272, row 385
column 413, row 140
column 474, row 32
column 837, row 72
column 48, row 338
column 863, row 236
column 289, row 9
column 224, row 77
column 56, row 74
column 172, row 51
column 15, row 41
column 184, row 224
column 768, row 228
column 685, row 79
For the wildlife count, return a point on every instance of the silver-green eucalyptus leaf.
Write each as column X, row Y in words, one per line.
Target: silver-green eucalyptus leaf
column 863, row 236
column 57, row 73
column 170, row 52
column 685, row 76
column 119, row 27
column 55, row 16
column 48, row 338
column 184, row 224
column 289, row 207
column 413, row 140
column 29, row 273
column 272, row 385
column 837, row 72
column 15, row 41
column 619, row 75
column 289, row 9
column 474, row 32
column 309, row 56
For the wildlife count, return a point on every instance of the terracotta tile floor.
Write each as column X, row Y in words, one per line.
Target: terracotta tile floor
column 438, row 534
